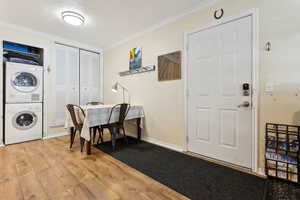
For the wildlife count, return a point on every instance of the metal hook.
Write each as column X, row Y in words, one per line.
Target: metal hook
column 218, row 15
column 268, row 46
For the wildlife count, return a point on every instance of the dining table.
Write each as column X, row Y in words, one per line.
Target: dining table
column 97, row 115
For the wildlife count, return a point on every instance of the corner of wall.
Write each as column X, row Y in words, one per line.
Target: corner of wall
column 261, row 171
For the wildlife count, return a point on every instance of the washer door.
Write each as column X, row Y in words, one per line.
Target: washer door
column 24, row 120
column 24, row 82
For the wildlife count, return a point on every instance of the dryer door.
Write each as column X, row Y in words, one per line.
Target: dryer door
column 24, row 82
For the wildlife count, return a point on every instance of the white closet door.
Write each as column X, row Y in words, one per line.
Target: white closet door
column 67, row 80
column 90, row 77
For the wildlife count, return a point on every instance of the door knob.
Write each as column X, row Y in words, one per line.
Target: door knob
column 244, row 104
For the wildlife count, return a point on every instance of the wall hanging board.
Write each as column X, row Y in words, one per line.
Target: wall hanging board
column 169, row 66
column 138, row 70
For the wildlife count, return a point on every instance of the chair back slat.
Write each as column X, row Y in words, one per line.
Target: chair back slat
column 123, row 111
column 71, row 109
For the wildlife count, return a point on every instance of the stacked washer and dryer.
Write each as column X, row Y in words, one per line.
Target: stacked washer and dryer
column 23, row 102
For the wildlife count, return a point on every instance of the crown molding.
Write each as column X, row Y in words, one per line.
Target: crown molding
column 50, row 37
column 205, row 5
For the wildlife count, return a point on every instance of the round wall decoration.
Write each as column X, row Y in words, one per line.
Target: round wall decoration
column 219, row 13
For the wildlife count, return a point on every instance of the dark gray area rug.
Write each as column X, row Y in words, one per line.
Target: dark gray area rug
column 195, row 178
column 282, row 190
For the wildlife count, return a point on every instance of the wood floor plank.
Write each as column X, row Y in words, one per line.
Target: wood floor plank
column 32, row 188
column 81, row 192
column 36, row 158
column 78, row 170
column 65, row 176
column 100, row 190
column 8, row 169
column 51, row 184
column 48, row 169
column 50, row 155
column 19, row 156
column 11, row 190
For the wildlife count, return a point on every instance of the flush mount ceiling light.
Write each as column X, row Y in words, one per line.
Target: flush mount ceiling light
column 72, row 18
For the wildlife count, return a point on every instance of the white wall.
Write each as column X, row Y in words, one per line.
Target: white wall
column 27, row 36
column 164, row 101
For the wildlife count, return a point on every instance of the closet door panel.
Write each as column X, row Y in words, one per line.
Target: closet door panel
column 73, row 76
column 90, row 77
column 66, row 81
column 94, row 85
column 84, row 76
column 60, row 86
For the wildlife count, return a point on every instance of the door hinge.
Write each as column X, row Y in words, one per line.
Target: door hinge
column 187, row 93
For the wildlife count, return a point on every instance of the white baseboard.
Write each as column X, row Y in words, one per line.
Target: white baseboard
column 261, row 171
column 55, row 135
column 49, row 137
column 56, row 124
column 158, row 142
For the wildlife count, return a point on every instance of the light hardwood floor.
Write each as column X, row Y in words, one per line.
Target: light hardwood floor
column 47, row 169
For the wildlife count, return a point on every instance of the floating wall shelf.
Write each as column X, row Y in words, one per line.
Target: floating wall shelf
column 137, row 71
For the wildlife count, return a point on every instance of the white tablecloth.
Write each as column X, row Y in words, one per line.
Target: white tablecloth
column 96, row 115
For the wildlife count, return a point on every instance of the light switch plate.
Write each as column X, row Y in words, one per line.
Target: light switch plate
column 269, row 87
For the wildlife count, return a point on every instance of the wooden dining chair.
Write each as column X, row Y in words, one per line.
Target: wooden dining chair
column 77, row 125
column 115, row 127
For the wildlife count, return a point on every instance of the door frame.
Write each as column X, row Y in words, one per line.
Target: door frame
column 1, row 95
column 255, row 78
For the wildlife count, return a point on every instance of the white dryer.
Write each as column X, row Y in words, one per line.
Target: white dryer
column 24, row 83
column 23, row 122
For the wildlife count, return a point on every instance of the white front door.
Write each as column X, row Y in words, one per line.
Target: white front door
column 219, row 65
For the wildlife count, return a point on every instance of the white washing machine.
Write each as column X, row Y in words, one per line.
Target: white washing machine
column 23, row 122
column 24, row 83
